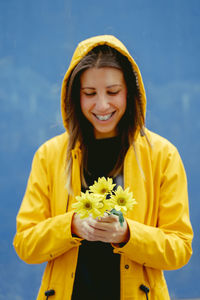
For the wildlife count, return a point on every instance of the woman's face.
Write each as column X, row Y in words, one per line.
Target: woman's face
column 103, row 99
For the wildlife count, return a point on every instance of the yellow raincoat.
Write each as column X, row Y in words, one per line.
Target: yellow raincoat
column 160, row 229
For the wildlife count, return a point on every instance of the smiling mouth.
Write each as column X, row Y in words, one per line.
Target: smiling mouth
column 105, row 117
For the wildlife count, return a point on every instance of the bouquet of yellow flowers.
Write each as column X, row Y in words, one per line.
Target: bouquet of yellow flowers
column 101, row 198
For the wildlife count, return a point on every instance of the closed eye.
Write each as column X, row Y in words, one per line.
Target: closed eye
column 90, row 94
column 112, row 93
column 87, row 91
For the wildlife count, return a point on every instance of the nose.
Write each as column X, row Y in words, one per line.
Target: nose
column 102, row 103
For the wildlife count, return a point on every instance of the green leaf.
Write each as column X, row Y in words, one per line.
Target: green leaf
column 119, row 214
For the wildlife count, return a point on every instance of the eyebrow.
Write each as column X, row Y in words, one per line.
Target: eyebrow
column 113, row 85
column 87, row 87
column 109, row 86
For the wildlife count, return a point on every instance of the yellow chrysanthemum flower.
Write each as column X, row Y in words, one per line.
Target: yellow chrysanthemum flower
column 100, row 198
column 105, row 205
column 103, row 186
column 123, row 200
column 87, row 205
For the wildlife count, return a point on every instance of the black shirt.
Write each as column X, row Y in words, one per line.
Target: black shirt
column 98, row 268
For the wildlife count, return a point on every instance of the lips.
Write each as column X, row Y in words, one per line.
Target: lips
column 104, row 117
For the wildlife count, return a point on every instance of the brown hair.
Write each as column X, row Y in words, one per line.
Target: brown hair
column 80, row 128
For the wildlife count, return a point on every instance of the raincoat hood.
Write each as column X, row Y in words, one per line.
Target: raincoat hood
column 82, row 50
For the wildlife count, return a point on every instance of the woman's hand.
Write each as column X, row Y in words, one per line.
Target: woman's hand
column 107, row 229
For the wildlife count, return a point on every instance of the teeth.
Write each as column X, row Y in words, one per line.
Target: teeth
column 104, row 118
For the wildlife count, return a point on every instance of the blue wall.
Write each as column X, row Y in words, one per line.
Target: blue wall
column 37, row 39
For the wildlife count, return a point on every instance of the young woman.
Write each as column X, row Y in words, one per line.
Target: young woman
column 103, row 107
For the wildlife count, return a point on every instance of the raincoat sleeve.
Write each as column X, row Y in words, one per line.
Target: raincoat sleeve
column 167, row 244
column 40, row 236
